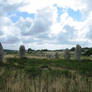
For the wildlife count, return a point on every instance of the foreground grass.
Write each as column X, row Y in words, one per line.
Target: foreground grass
column 42, row 75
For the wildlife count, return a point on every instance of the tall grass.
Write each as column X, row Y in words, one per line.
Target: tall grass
column 34, row 75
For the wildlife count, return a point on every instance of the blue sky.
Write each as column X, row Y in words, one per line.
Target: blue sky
column 76, row 15
column 45, row 24
column 14, row 16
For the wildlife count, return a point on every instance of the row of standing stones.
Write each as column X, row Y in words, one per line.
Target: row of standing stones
column 67, row 55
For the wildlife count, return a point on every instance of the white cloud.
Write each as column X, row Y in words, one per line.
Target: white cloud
column 44, row 31
column 6, row 6
column 34, row 5
column 24, row 25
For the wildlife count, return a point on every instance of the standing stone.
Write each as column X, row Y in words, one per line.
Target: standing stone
column 22, row 51
column 90, row 56
column 66, row 54
column 48, row 55
column 56, row 55
column 1, row 53
column 78, row 52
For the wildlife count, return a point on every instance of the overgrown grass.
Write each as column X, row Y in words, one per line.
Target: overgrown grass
column 43, row 75
column 82, row 66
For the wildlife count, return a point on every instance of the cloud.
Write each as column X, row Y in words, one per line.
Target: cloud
column 9, row 40
column 6, row 7
column 42, row 21
column 24, row 25
column 56, row 23
column 1, row 33
column 34, row 5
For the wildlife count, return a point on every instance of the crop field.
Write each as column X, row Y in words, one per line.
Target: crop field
column 39, row 74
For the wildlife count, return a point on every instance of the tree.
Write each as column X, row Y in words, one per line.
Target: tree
column 88, row 52
column 72, row 49
column 29, row 50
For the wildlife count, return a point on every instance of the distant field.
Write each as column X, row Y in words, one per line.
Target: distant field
column 43, row 54
column 35, row 74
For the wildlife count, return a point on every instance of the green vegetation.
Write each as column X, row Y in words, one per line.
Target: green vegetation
column 43, row 75
column 88, row 52
column 83, row 66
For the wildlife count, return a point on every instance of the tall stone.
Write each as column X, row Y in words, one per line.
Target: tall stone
column 66, row 54
column 78, row 52
column 22, row 51
column 1, row 53
column 56, row 55
column 49, row 55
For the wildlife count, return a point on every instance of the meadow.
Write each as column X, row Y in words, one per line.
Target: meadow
column 41, row 74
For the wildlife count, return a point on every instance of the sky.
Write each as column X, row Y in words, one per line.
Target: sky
column 45, row 24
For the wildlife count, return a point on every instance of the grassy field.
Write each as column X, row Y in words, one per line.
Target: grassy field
column 45, row 75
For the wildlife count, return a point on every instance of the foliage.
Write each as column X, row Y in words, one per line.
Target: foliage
column 43, row 75
column 88, row 52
